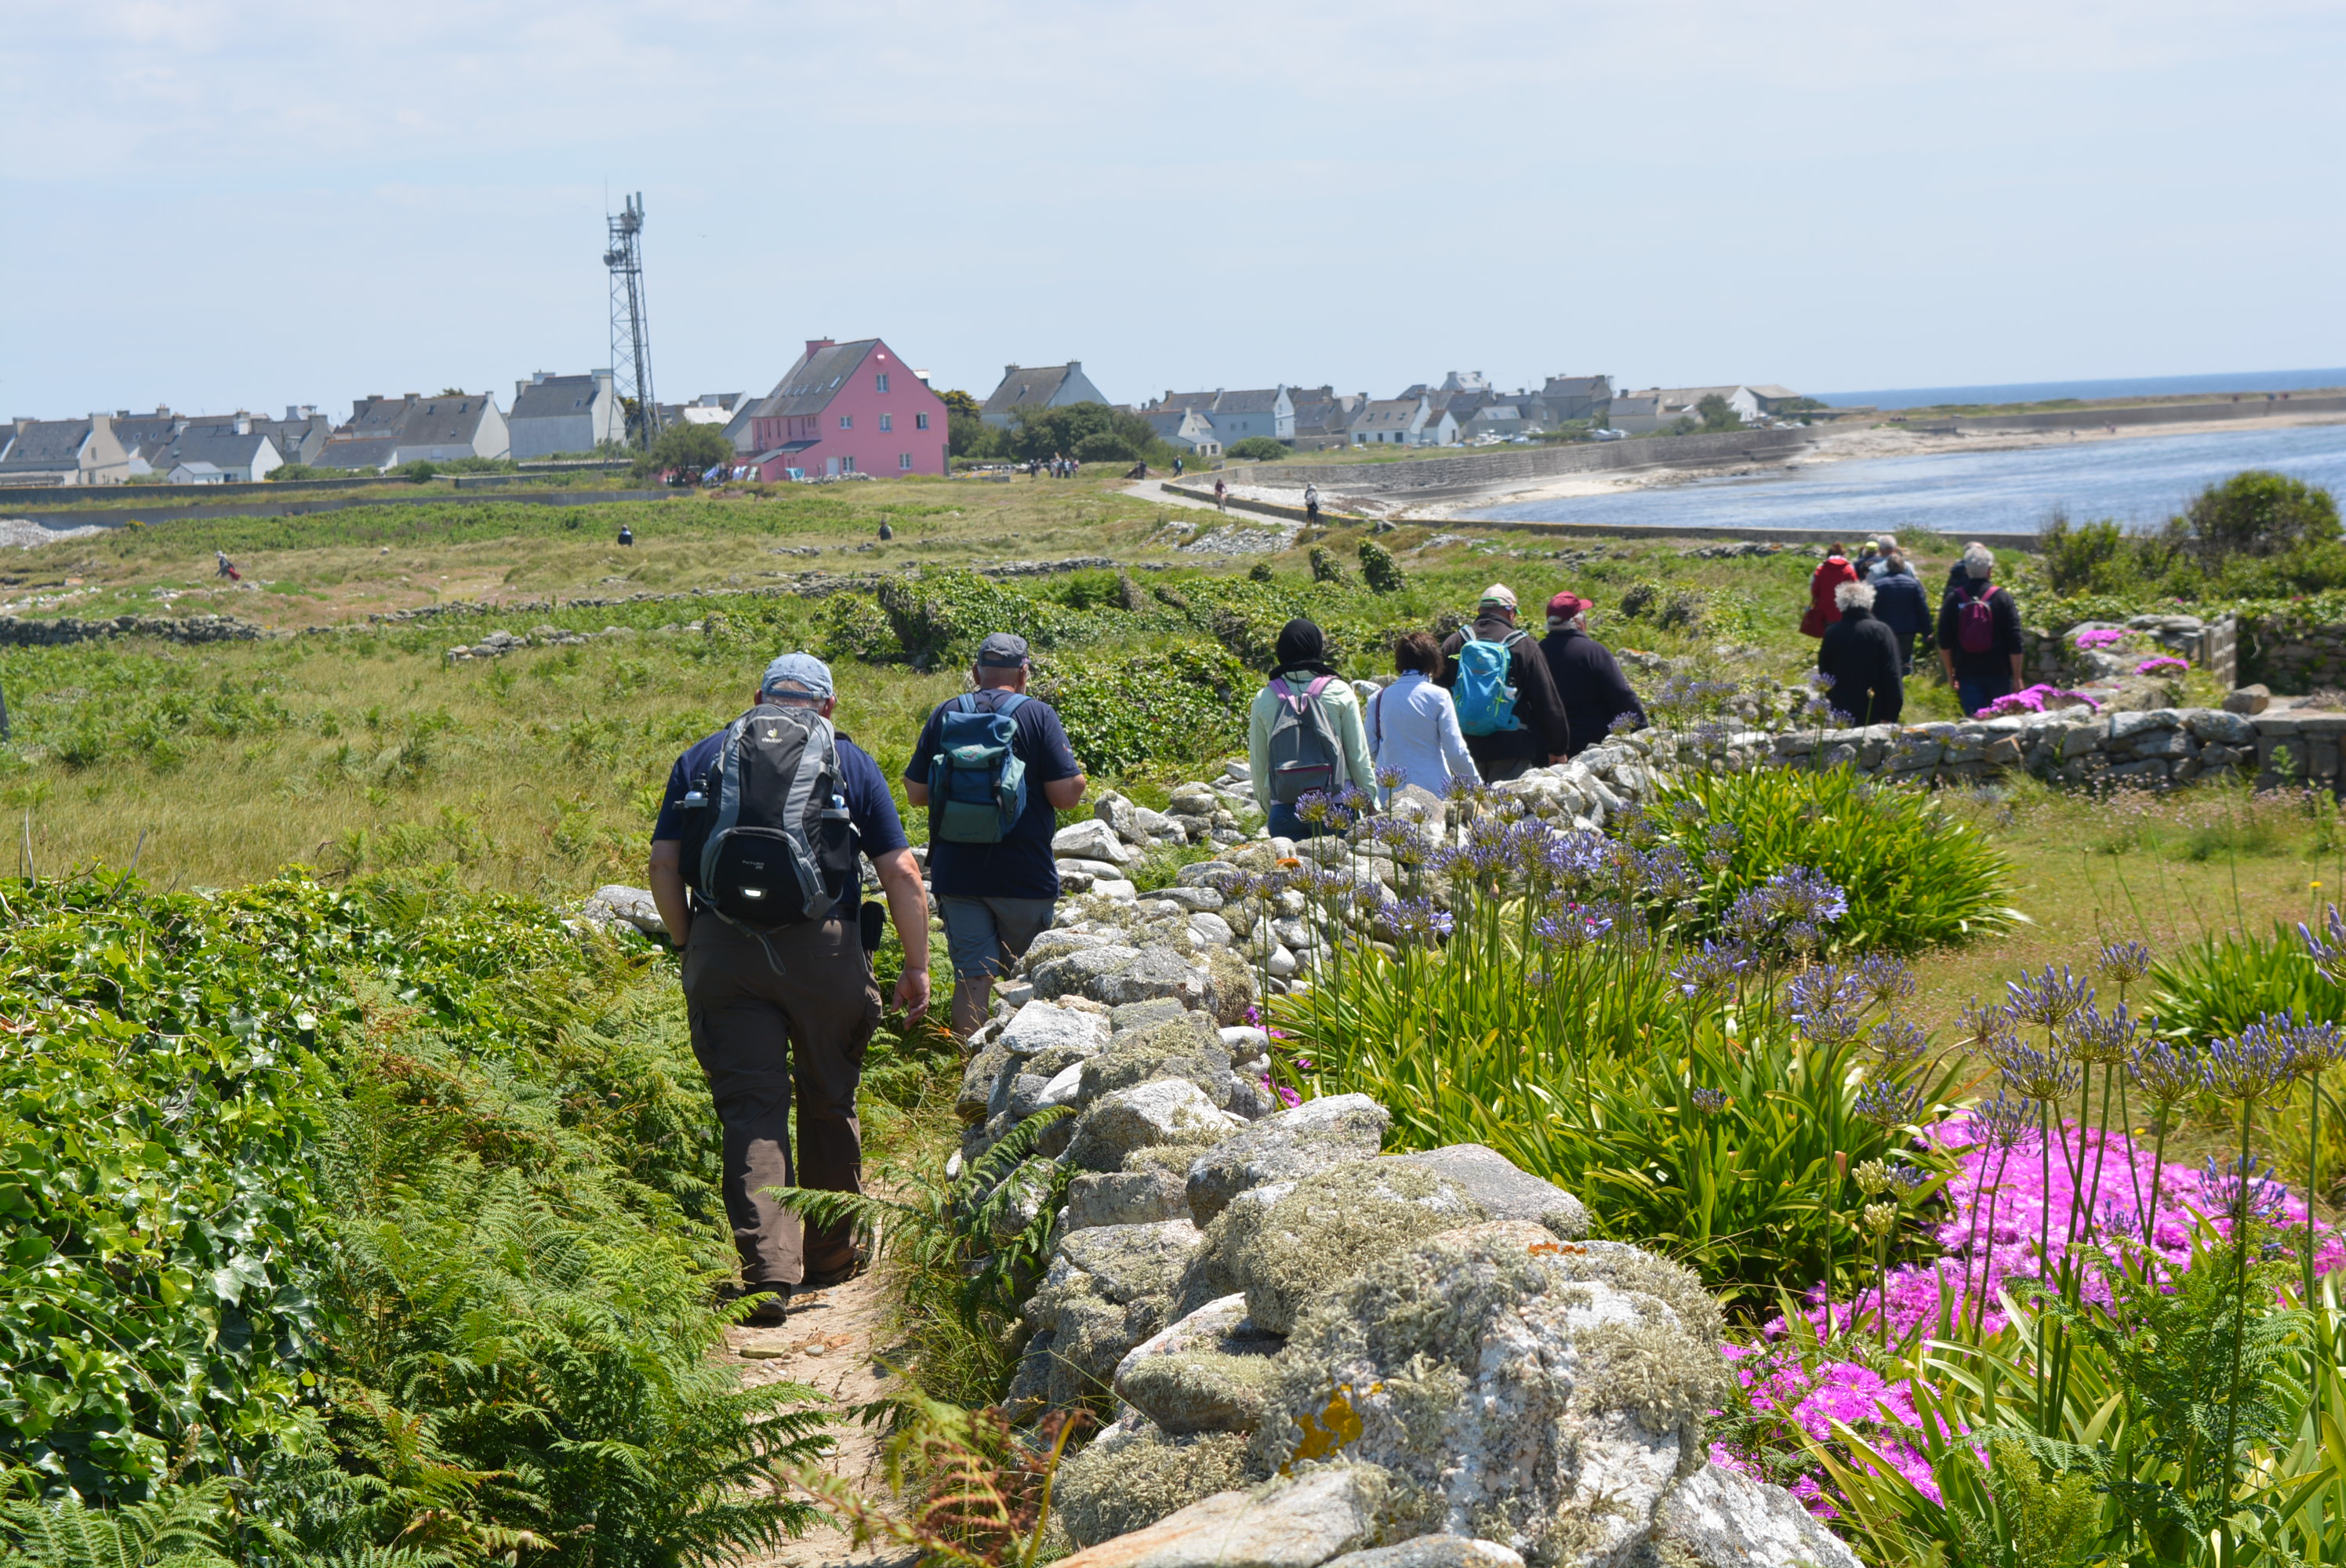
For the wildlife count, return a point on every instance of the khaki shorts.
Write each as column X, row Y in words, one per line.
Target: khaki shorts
column 986, row 936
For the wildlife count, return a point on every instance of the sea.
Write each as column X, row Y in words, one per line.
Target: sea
column 2140, row 481
column 2050, row 392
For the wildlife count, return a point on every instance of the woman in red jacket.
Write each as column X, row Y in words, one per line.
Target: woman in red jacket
column 1822, row 611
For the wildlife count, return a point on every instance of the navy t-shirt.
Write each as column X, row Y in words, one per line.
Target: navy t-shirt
column 1021, row 866
column 878, row 828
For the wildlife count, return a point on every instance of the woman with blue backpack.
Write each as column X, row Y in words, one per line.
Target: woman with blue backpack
column 1304, row 736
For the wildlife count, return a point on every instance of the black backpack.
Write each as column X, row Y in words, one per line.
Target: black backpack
column 767, row 840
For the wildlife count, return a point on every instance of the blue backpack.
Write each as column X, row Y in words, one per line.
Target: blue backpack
column 1485, row 702
column 977, row 783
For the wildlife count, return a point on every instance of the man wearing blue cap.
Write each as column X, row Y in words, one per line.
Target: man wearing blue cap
column 782, row 1015
column 997, row 897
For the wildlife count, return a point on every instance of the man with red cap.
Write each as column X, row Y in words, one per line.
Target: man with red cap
column 1597, row 699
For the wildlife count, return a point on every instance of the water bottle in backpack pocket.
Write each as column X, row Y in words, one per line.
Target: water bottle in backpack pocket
column 1485, row 702
column 1302, row 753
column 977, row 780
column 767, row 838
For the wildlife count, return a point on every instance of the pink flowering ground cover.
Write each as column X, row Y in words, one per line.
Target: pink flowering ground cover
column 2000, row 1202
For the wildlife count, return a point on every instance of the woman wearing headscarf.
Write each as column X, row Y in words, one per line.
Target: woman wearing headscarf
column 1303, row 733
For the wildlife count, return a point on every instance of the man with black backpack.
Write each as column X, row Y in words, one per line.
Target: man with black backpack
column 1508, row 704
column 754, row 869
column 1979, row 635
column 993, row 767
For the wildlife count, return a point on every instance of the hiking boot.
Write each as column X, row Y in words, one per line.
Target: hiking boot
column 768, row 1309
column 839, row 1275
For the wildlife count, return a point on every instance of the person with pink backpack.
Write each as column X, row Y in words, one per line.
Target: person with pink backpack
column 1304, row 736
column 1979, row 633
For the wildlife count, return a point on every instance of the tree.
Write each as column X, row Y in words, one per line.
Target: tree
column 2260, row 512
column 1047, row 433
column 1105, row 446
column 966, row 432
column 1717, row 414
column 1260, row 448
column 684, row 448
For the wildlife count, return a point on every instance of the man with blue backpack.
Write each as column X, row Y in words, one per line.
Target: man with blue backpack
column 1498, row 679
column 993, row 768
column 754, row 869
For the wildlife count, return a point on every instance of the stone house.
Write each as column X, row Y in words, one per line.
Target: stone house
column 842, row 409
column 384, row 433
column 1577, row 397
column 1037, row 387
column 555, row 413
column 1322, row 418
column 62, row 452
column 1404, row 422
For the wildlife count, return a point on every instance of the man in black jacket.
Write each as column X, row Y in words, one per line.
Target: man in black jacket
column 1597, row 699
column 1542, row 735
column 1862, row 656
column 1900, row 603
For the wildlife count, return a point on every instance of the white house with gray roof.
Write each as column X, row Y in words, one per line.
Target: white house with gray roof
column 1237, row 414
column 555, row 413
column 62, row 452
column 237, row 451
column 384, row 433
column 1037, row 387
column 1404, row 422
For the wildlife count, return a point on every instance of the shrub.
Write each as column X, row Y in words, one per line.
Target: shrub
column 2214, row 986
column 1380, row 570
column 2260, row 512
column 1914, row 875
column 1260, row 572
column 851, row 626
column 1638, row 600
column 685, row 449
column 1256, row 449
column 1105, row 446
column 1685, row 610
column 1182, row 704
column 1325, row 567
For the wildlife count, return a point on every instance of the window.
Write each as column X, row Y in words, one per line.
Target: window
column 847, row 421
column 847, row 463
column 887, row 421
column 904, row 459
column 880, row 381
column 920, row 421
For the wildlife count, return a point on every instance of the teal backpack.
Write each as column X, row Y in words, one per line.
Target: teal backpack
column 1485, row 702
column 977, row 783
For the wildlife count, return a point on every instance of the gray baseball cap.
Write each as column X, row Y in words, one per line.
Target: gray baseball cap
column 803, row 670
column 1002, row 650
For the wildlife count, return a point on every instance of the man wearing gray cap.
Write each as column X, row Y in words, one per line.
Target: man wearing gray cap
column 781, row 1013
column 996, row 882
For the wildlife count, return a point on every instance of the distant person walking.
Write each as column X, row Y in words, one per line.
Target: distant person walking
column 1311, row 504
column 1861, row 653
column 1831, row 574
column 1884, row 548
column 626, row 534
column 886, row 531
column 228, row 568
column 1507, row 705
column 1178, row 465
column 1413, row 724
column 1221, row 494
column 1304, row 732
column 1979, row 635
column 1596, row 699
column 992, row 753
column 1900, row 603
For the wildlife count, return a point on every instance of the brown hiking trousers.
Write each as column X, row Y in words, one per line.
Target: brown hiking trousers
column 764, row 1040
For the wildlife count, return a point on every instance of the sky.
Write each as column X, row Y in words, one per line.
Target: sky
column 248, row 203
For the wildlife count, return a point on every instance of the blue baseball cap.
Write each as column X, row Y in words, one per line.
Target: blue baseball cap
column 803, row 670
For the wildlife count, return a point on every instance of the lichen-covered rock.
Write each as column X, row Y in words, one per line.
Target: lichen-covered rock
column 1206, row 1372
column 1108, row 1289
column 977, row 1077
column 1042, row 1026
column 1186, row 1048
column 1504, row 1191
column 1512, row 1389
column 1023, row 1192
column 1718, row 1518
column 1299, row 1521
column 1125, row 1197
column 1132, row 1475
column 1077, row 972
column 1251, row 1095
column 1434, row 1551
column 1136, row 1016
column 1329, row 1227
column 1171, row 1111
column 1156, row 972
column 1293, row 1144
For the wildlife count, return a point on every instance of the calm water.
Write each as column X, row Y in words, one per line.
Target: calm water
column 2044, row 392
column 2140, row 481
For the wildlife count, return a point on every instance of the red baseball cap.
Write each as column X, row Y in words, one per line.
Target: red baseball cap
column 1564, row 606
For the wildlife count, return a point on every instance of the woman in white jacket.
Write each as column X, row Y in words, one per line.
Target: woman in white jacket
column 1413, row 727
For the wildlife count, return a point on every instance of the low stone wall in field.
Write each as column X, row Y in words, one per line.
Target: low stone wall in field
column 17, row 631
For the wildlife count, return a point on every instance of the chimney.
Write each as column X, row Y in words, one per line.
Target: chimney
column 816, row 345
column 1009, row 371
column 122, row 413
column 243, row 425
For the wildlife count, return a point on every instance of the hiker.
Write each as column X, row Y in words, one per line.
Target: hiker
column 1979, row 635
column 778, row 990
column 1177, row 466
column 1869, row 555
column 1596, row 699
column 1900, row 603
column 1958, row 574
column 1830, row 574
column 1311, row 504
column 1861, row 653
column 1303, row 733
column 1221, row 494
column 228, row 568
column 886, row 531
column 1507, row 705
column 993, row 766
column 626, row 534
column 1414, row 725
column 1884, row 548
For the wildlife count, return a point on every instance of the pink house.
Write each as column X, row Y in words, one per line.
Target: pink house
column 843, row 408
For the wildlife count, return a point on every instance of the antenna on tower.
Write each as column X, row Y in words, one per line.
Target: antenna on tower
column 630, row 335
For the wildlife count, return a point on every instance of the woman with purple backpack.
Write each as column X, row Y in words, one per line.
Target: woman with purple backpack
column 1979, row 635
column 1304, row 736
